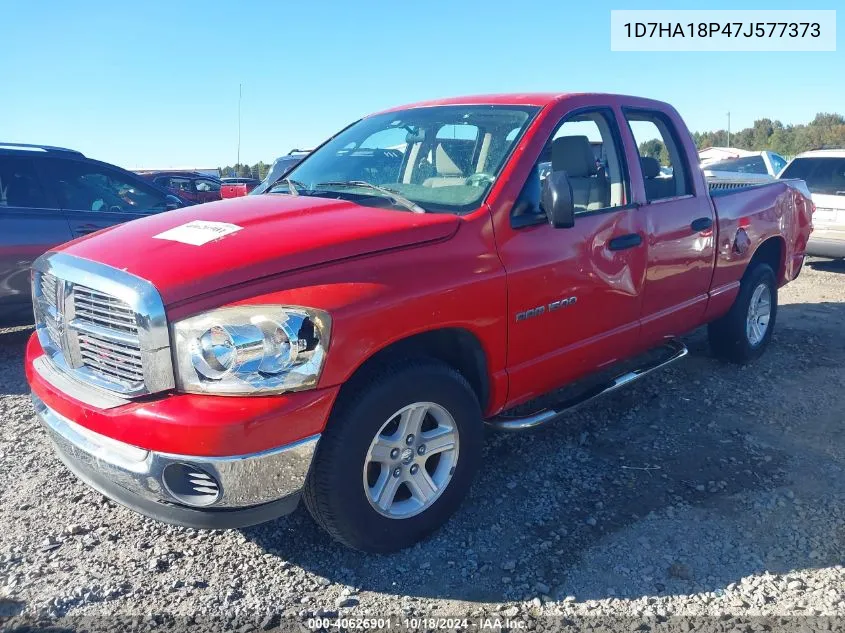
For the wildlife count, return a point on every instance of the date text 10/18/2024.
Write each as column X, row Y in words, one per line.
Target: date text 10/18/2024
column 496, row 623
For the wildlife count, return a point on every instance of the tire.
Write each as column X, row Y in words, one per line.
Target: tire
column 340, row 485
column 730, row 336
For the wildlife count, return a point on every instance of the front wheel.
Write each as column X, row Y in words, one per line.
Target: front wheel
column 397, row 457
column 743, row 334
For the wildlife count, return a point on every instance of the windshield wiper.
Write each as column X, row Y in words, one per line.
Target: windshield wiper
column 394, row 196
column 293, row 186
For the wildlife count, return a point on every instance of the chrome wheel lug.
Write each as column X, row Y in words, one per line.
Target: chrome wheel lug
column 421, row 449
column 414, row 469
column 410, row 439
column 394, row 454
column 397, row 472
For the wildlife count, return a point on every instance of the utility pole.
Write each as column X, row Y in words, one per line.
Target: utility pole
column 240, row 93
column 729, row 129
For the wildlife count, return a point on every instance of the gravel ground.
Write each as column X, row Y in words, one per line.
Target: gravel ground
column 704, row 490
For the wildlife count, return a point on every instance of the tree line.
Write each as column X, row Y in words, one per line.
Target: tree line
column 826, row 130
column 258, row 170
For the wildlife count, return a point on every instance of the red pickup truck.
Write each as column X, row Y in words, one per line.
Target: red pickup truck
column 345, row 336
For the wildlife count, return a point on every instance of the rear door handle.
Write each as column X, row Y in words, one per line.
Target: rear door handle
column 632, row 240
column 701, row 224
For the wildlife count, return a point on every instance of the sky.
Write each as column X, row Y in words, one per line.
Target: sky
column 155, row 84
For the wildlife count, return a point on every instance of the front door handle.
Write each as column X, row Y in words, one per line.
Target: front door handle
column 701, row 224
column 632, row 240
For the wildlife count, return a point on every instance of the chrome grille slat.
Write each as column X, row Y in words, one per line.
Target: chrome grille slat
column 110, row 310
column 129, row 339
column 48, row 288
column 83, row 313
column 111, row 346
column 96, row 354
column 123, row 372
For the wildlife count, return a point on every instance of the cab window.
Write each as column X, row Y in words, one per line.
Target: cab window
column 664, row 169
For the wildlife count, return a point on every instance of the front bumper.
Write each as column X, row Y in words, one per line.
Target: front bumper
column 192, row 491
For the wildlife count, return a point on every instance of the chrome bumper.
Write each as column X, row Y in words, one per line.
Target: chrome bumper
column 827, row 244
column 239, row 491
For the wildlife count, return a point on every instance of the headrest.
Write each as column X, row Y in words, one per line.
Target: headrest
column 574, row 155
column 444, row 163
column 650, row 167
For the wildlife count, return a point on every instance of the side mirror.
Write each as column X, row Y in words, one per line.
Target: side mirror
column 557, row 200
column 173, row 202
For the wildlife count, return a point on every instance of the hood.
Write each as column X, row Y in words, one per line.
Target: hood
column 277, row 233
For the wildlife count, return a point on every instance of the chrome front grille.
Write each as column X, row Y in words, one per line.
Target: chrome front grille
column 101, row 325
column 107, row 335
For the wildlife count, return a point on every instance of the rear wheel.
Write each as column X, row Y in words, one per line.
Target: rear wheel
column 397, row 457
column 743, row 334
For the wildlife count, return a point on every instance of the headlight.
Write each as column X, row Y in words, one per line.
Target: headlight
column 251, row 349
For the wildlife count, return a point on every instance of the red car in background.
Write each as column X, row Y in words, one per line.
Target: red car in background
column 190, row 186
column 237, row 187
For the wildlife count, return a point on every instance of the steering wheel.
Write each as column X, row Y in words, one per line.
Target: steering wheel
column 479, row 180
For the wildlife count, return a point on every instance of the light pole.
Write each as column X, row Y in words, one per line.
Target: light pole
column 729, row 129
column 238, row 161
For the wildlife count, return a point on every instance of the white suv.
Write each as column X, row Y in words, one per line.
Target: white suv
column 824, row 172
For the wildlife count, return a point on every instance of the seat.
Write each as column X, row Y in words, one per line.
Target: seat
column 448, row 173
column 590, row 188
column 656, row 188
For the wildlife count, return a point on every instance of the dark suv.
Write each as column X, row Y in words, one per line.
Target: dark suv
column 50, row 195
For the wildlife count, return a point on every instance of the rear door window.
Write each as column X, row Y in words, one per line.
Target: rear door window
column 664, row 168
column 19, row 185
column 823, row 175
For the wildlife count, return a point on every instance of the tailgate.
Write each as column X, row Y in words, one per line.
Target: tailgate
column 830, row 212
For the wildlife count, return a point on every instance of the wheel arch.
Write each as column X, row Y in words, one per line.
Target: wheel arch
column 771, row 251
column 457, row 347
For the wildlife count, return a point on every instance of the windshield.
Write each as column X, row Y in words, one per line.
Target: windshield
column 822, row 175
column 442, row 158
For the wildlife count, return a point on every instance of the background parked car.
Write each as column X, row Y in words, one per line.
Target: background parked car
column 50, row 195
column 191, row 186
column 236, row 187
column 754, row 168
column 281, row 165
column 824, row 173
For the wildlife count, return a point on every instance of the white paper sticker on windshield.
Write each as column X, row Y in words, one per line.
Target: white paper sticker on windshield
column 198, row 232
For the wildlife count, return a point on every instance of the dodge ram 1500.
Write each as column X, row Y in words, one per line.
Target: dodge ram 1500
column 344, row 337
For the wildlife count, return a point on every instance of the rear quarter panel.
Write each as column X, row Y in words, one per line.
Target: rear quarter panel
column 770, row 211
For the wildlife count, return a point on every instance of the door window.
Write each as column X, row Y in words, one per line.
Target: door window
column 586, row 147
column 661, row 155
column 207, row 185
column 91, row 187
column 19, row 184
column 778, row 162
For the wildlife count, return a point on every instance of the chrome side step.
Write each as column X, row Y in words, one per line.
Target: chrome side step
column 504, row 422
